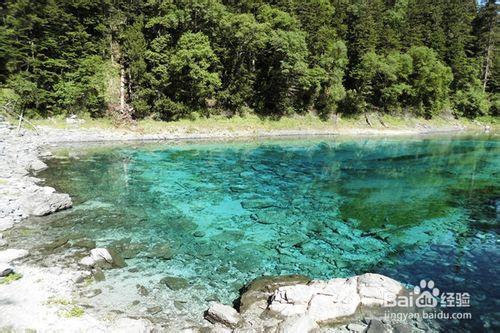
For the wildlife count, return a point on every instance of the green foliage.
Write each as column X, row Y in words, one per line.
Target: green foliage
column 10, row 278
column 430, row 82
column 415, row 79
column 471, row 102
column 74, row 312
column 180, row 59
column 84, row 90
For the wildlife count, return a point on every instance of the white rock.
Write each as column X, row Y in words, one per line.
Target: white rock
column 87, row 261
column 44, row 200
column 129, row 325
column 326, row 307
column 5, row 269
column 38, row 165
column 374, row 288
column 100, row 255
column 298, row 324
column 6, row 223
column 224, row 314
column 9, row 255
column 291, row 300
column 358, row 328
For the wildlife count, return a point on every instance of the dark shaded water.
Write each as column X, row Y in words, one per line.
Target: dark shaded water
column 412, row 209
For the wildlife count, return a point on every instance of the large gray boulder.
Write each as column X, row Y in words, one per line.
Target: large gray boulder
column 44, row 200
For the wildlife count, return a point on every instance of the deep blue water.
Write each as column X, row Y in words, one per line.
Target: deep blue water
column 423, row 208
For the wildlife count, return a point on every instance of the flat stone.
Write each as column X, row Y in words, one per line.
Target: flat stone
column 174, row 282
column 5, row 269
column 10, row 255
column 44, row 200
column 154, row 310
column 224, row 314
column 358, row 328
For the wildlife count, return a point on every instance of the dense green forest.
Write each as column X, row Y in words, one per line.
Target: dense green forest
column 174, row 59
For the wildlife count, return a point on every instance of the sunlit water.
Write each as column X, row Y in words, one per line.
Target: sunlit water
column 425, row 208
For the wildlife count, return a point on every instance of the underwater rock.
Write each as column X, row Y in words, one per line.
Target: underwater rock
column 199, row 233
column 55, row 244
column 174, row 282
column 6, row 256
column 84, row 243
column 98, row 274
column 117, row 259
column 257, row 204
column 141, row 290
column 153, row 310
column 44, row 200
column 131, row 250
column 224, row 314
column 161, row 251
column 5, row 269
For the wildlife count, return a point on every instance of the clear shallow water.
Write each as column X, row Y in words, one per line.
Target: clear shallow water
column 412, row 209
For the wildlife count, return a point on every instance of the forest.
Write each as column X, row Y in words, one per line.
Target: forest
column 169, row 60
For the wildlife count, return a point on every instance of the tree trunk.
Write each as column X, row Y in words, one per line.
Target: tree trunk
column 122, row 90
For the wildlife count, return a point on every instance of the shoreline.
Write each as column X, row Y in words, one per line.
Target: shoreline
column 25, row 153
column 80, row 135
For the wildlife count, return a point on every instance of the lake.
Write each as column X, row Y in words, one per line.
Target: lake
column 206, row 218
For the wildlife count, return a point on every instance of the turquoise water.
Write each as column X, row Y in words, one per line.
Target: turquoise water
column 222, row 214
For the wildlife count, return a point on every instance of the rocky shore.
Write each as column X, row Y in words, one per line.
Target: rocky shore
column 268, row 304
